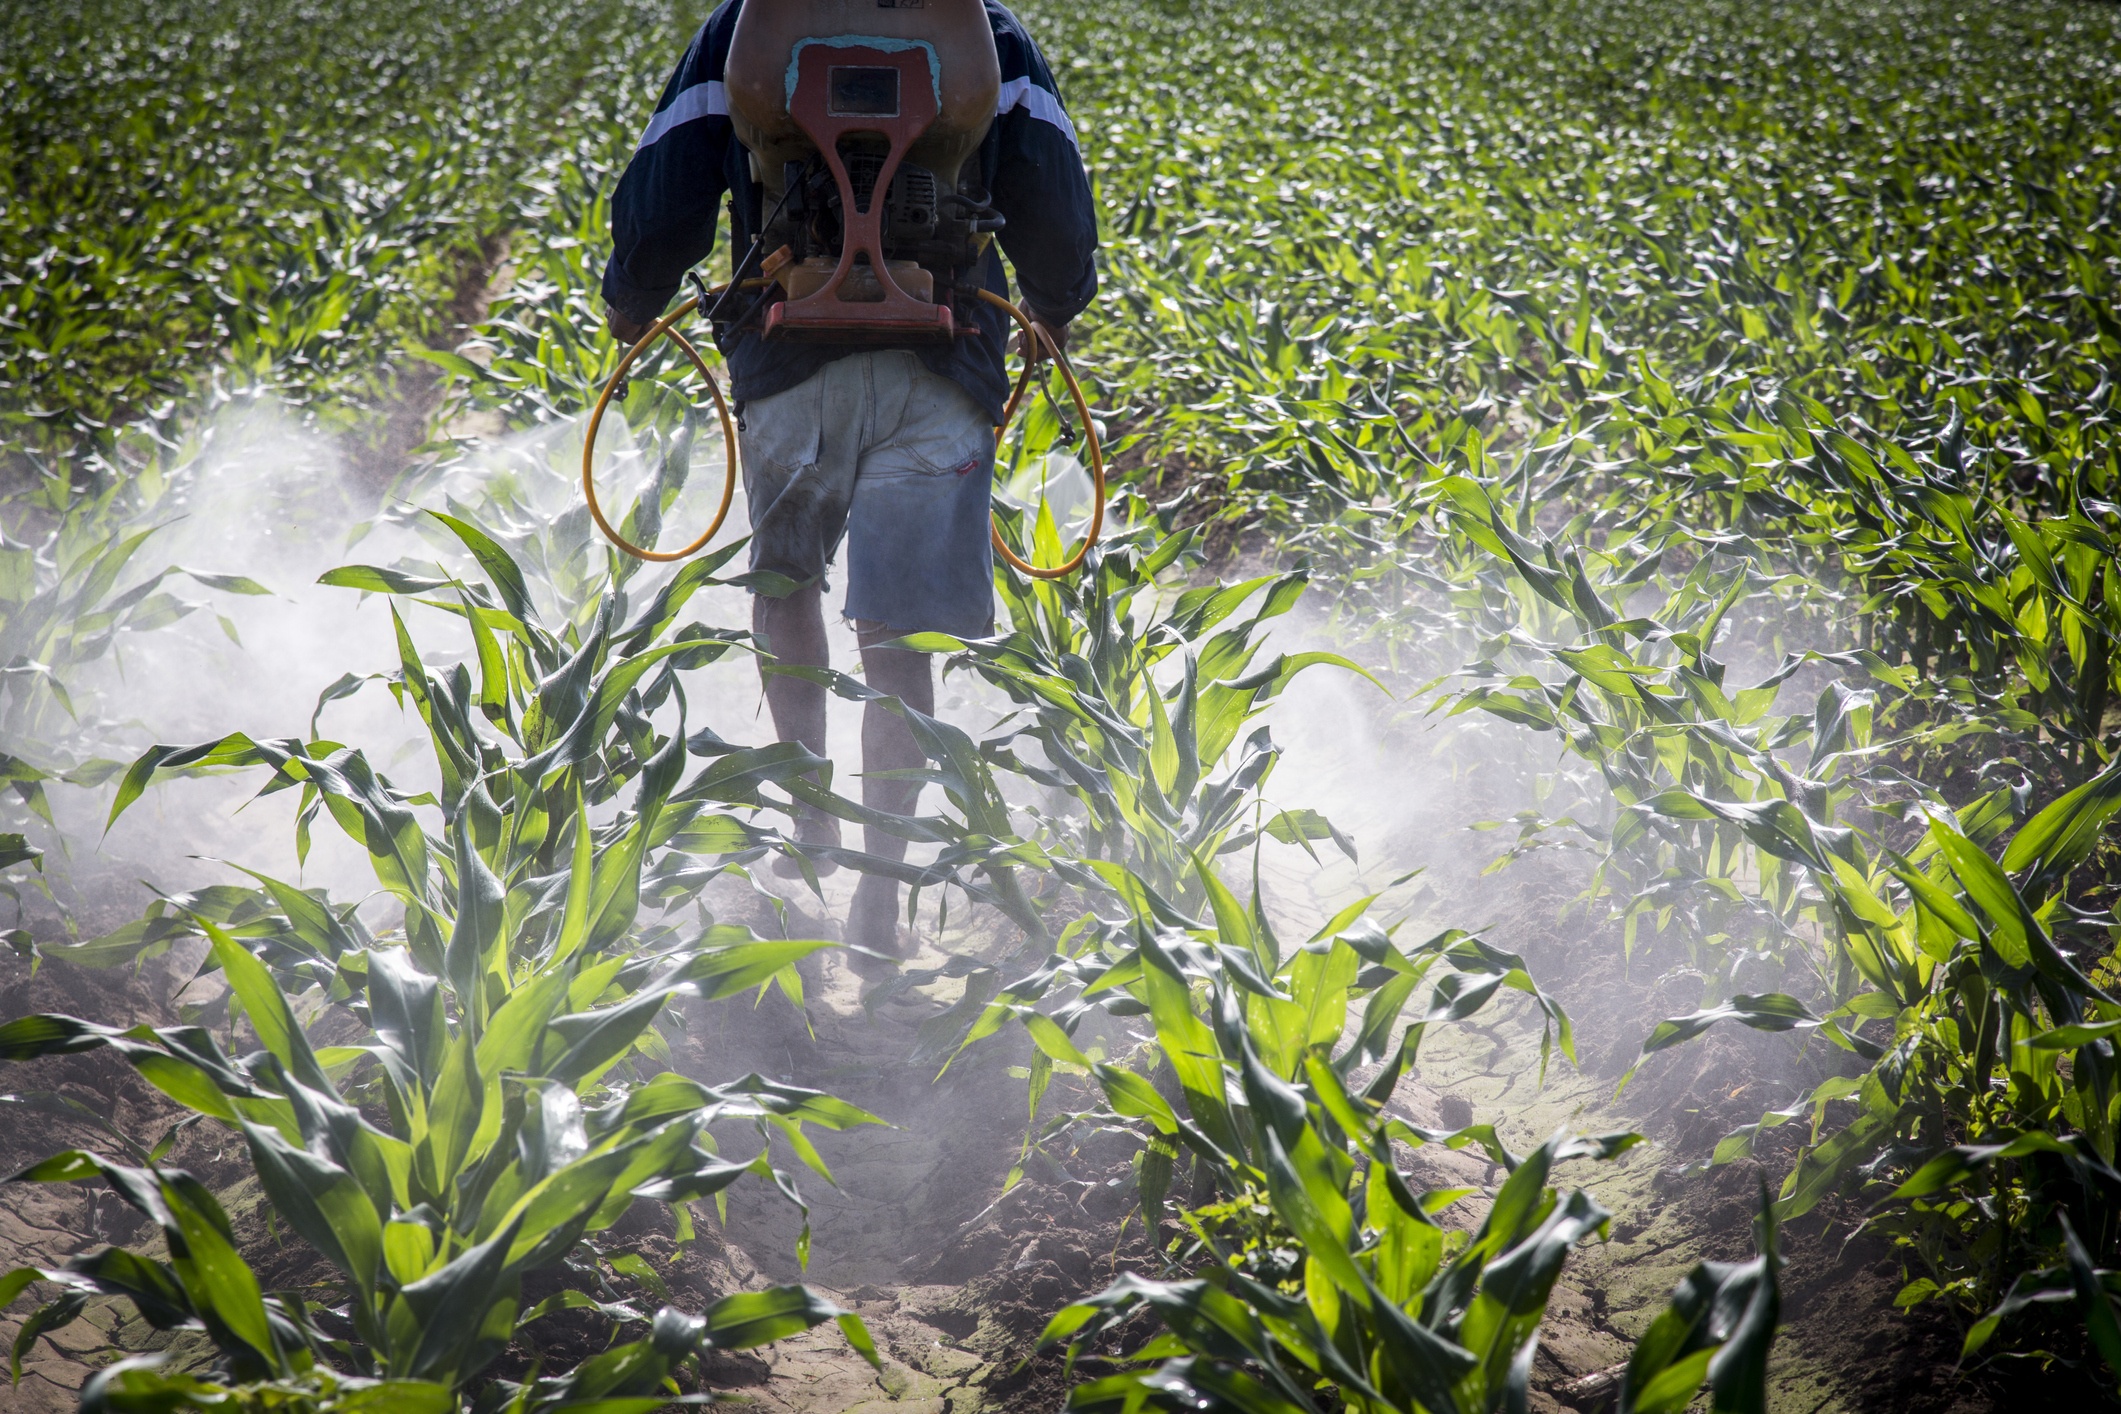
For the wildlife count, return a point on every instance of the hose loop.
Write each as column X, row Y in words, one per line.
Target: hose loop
column 596, row 419
column 1039, row 344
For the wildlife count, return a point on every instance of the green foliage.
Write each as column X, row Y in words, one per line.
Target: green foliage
column 509, row 1015
column 1591, row 349
column 1716, row 1329
column 1323, row 1263
column 1320, row 1268
column 214, row 198
column 1617, row 230
column 491, row 1166
column 1583, row 349
column 1136, row 705
column 65, row 604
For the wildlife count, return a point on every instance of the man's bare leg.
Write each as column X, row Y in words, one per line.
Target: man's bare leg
column 887, row 745
column 794, row 631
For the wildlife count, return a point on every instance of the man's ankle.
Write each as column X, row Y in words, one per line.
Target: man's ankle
column 872, row 918
column 813, row 829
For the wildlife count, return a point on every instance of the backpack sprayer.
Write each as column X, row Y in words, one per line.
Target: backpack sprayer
column 864, row 120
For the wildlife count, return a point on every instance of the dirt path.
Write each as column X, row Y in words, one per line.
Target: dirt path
column 914, row 1222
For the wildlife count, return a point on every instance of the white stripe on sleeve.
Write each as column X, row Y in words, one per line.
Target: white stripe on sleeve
column 702, row 100
column 1039, row 102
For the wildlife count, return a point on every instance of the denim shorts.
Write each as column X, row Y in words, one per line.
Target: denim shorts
column 898, row 461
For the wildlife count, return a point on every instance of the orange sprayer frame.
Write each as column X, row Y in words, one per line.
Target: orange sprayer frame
column 826, row 313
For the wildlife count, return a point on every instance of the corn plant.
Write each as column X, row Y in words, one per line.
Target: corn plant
column 1970, row 969
column 491, row 1166
column 1639, row 696
column 1708, row 825
column 1321, row 1268
column 1715, row 1330
column 1987, row 1119
column 1134, row 700
column 1778, row 336
column 512, row 1012
column 552, row 727
column 1250, row 1347
column 175, row 232
column 1387, row 233
column 1991, row 586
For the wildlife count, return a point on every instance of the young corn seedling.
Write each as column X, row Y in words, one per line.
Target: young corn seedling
column 62, row 610
column 1716, row 1330
column 1696, row 794
column 1973, row 972
column 1992, row 1107
column 491, row 1166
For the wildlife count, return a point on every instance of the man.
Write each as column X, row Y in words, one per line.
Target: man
column 892, row 449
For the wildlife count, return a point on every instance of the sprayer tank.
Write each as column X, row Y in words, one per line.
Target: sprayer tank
column 771, row 35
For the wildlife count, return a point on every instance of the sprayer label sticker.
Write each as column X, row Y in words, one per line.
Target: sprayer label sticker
column 861, row 92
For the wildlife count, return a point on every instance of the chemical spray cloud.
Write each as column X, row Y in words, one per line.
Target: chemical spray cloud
column 279, row 505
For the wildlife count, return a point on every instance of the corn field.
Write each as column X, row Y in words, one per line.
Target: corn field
column 1559, row 855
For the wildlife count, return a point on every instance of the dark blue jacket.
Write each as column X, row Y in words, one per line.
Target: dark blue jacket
column 664, row 212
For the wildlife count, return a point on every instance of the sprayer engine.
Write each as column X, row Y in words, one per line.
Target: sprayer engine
column 864, row 120
column 943, row 232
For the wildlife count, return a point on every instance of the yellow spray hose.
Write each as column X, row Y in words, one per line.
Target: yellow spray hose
column 721, row 405
column 1038, row 340
column 1036, row 337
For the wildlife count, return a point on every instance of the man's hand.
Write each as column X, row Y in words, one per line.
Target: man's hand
column 624, row 329
column 1058, row 328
